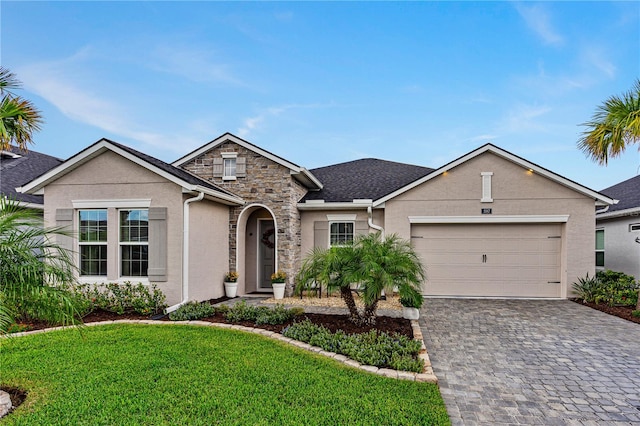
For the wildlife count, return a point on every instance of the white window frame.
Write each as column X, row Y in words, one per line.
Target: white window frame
column 81, row 244
column 599, row 267
column 231, row 159
column 340, row 218
column 131, row 243
column 339, row 222
column 634, row 227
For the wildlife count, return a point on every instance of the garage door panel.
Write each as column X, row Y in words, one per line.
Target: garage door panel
column 492, row 260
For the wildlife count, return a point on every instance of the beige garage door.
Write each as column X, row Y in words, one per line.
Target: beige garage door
column 490, row 260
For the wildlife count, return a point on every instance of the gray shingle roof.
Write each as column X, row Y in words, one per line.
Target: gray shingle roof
column 628, row 192
column 15, row 172
column 175, row 171
column 369, row 178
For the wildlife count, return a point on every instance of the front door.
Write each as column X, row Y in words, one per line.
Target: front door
column 266, row 253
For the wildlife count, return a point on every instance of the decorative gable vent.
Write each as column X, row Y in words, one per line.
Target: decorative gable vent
column 486, row 187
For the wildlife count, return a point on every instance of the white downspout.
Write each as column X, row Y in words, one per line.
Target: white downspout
column 370, row 221
column 185, row 252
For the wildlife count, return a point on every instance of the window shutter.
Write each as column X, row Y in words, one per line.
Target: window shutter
column 321, row 234
column 217, row 167
column 362, row 228
column 64, row 219
column 241, row 167
column 157, row 271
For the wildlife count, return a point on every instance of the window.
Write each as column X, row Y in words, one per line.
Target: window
column 341, row 233
column 600, row 247
column 229, row 172
column 134, row 243
column 93, row 242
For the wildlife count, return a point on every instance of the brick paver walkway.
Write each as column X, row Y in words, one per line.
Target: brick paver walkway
column 533, row 362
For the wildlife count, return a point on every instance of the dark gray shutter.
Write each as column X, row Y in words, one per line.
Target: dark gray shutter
column 321, row 234
column 64, row 218
column 157, row 271
column 241, row 167
column 362, row 227
column 218, row 167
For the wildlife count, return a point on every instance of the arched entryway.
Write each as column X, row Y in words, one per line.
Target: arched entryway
column 257, row 240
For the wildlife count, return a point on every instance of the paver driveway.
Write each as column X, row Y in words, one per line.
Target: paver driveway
column 533, row 362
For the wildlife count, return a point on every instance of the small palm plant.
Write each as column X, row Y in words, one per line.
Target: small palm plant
column 33, row 270
column 373, row 263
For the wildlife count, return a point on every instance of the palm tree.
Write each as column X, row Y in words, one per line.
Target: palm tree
column 372, row 263
column 34, row 270
column 19, row 118
column 615, row 124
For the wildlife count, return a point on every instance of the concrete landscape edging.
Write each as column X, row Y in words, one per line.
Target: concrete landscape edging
column 426, row 376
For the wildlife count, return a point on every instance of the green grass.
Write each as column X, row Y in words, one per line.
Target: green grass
column 186, row 375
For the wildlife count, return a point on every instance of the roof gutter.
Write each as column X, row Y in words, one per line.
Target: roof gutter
column 185, row 252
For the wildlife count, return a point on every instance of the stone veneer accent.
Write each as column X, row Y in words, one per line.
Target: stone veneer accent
column 266, row 182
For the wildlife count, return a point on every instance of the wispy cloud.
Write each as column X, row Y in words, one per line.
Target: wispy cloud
column 196, row 64
column 63, row 84
column 597, row 57
column 537, row 19
column 523, row 118
column 483, row 138
column 259, row 120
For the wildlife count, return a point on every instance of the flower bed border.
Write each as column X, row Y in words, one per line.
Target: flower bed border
column 427, row 375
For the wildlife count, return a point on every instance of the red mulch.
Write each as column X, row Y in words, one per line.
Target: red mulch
column 623, row 312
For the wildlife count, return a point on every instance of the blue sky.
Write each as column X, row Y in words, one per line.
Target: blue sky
column 328, row 82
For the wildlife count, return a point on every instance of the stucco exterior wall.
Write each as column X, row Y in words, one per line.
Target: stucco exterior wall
column 268, row 184
column 515, row 191
column 111, row 177
column 208, row 249
column 311, row 216
column 621, row 251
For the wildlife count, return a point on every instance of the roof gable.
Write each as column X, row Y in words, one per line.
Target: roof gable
column 600, row 199
column 300, row 173
column 176, row 175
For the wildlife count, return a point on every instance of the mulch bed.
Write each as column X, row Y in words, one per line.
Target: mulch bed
column 16, row 395
column 623, row 312
column 332, row 322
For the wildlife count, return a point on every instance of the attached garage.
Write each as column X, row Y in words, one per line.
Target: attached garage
column 491, row 259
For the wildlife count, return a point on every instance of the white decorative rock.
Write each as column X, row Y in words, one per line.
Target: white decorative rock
column 5, row 403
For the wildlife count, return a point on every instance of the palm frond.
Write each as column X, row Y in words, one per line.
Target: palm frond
column 614, row 126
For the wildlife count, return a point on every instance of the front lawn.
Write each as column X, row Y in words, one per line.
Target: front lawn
column 188, row 375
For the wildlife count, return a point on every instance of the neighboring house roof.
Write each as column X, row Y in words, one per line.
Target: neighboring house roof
column 369, row 178
column 628, row 194
column 300, row 173
column 179, row 176
column 18, row 167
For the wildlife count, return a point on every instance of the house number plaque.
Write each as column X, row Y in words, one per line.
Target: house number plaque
column 486, row 211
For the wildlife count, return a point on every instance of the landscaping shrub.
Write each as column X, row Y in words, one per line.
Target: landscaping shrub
column 586, row 288
column 192, row 311
column 124, row 298
column 277, row 315
column 609, row 287
column 372, row 348
column 617, row 289
column 260, row 314
column 636, row 313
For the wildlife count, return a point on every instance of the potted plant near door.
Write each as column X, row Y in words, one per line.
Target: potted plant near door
column 411, row 303
column 231, row 284
column 278, row 279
